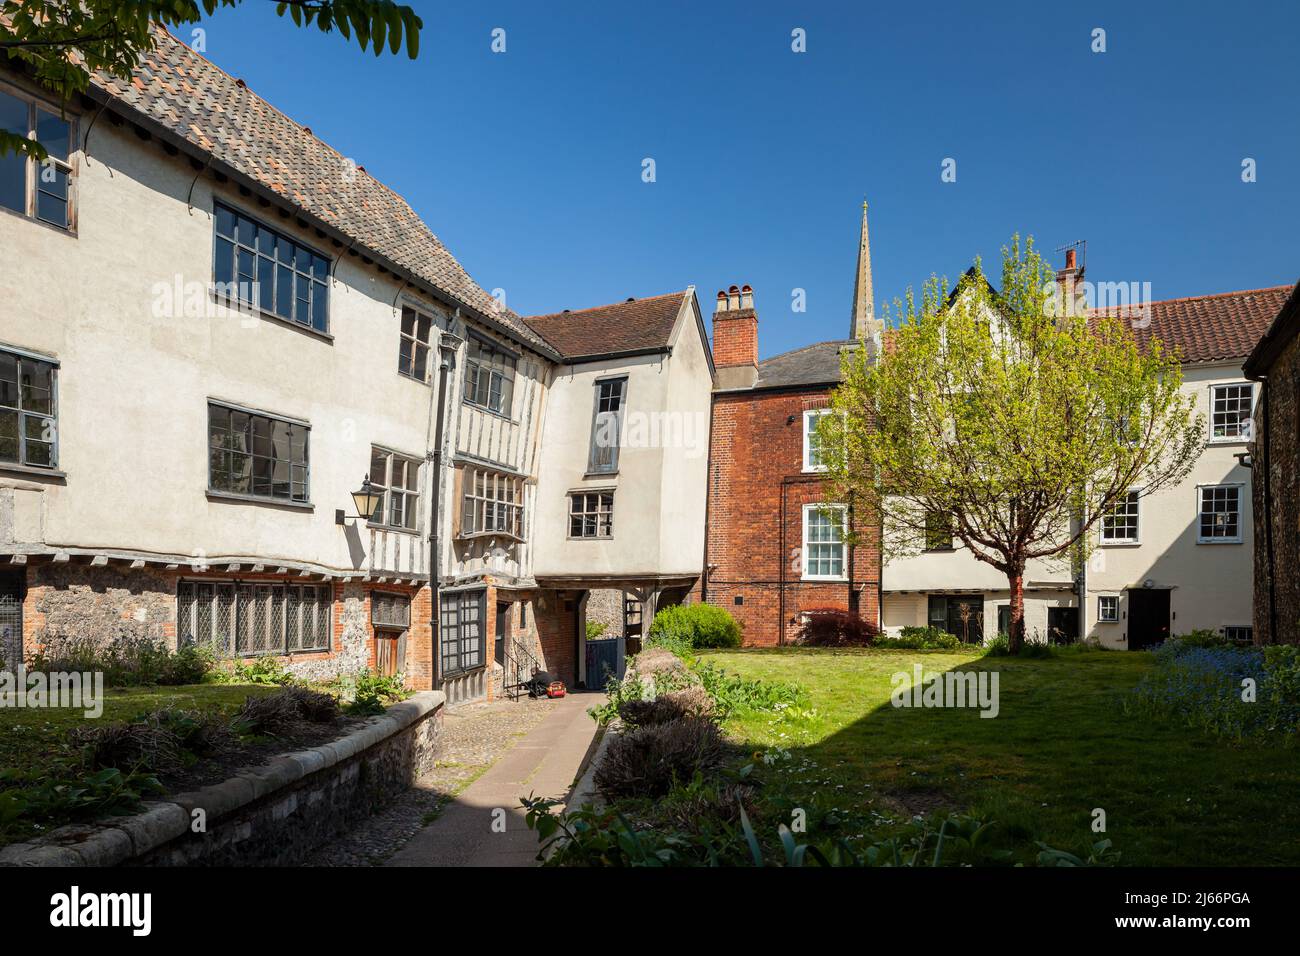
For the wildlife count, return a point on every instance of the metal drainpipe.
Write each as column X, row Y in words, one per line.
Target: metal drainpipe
column 445, row 368
column 780, row 639
column 1268, row 516
column 708, row 484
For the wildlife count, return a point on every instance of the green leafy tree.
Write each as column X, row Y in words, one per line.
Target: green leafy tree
column 62, row 42
column 1007, row 420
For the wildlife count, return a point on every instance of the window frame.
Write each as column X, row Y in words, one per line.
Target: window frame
column 1136, row 494
column 1101, row 614
column 810, row 415
column 475, row 366
column 451, row 621
column 933, row 534
column 31, row 168
column 1248, row 628
column 1244, row 425
column 594, row 466
column 608, row 524
column 290, row 502
column 808, row 510
column 385, row 488
column 236, row 589
column 488, row 503
column 418, row 313
column 20, row 356
column 221, row 289
column 1240, row 538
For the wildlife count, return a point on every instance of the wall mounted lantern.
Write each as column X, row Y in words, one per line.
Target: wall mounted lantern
column 365, row 499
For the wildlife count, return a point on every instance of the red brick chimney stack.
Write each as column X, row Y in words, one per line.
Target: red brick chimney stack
column 735, row 338
column 1069, row 285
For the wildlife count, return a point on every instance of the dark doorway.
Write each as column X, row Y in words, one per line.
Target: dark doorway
column 503, row 625
column 959, row 614
column 1062, row 625
column 1148, row 617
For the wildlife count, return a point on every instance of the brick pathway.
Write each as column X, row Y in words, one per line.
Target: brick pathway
column 544, row 763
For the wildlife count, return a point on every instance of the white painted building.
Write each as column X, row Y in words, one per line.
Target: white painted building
column 213, row 328
column 1177, row 560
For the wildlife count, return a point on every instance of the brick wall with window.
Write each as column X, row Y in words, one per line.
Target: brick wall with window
column 758, row 459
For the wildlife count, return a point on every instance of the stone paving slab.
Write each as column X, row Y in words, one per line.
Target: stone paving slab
column 545, row 763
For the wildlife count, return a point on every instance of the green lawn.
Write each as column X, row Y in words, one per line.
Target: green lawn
column 1059, row 748
column 32, row 739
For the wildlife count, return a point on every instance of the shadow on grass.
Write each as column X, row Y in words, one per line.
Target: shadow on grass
column 1059, row 750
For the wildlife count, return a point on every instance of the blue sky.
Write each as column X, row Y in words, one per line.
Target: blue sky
column 528, row 163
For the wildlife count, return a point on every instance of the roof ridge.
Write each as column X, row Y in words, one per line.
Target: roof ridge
column 804, row 348
column 607, row 305
column 1202, row 298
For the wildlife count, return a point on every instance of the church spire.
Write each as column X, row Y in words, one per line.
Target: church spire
column 864, row 324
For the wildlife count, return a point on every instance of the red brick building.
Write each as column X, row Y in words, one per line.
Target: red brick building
column 772, row 551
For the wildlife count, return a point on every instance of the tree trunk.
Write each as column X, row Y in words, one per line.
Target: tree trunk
column 1016, row 628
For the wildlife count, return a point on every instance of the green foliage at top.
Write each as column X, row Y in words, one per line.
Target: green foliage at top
column 1015, row 420
column 62, row 43
column 696, row 625
column 596, row 629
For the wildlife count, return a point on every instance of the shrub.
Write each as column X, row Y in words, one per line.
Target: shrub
column 647, row 761
column 50, row 798
column 679, row 645
column 732, row 693
column 655, row 661
column 314, row 705
column 619, row 694
column 595, row 629
column 697, row 625
column 688, row 702
column 253, row 670
column 272, row 714
column 200, row 732
column 125, row 660
column 145, row 745
column 1000, row 646
column 832, row 627
column 1203, row 637
column 921, row 638
column 367, row 692
column 1202, row 687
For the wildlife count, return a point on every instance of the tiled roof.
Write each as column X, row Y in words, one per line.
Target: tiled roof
column 197, row 101
column 815, row 364
column 636, row 325
column 1281, row 331
column 1209, row 328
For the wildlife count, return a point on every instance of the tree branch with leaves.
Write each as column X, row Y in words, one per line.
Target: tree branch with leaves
column 1020, row 424
column 61, row 43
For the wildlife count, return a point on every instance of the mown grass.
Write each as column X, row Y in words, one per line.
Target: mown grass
column 1059, row 748
column 32, row 739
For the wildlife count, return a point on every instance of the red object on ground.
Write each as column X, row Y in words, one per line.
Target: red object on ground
column 555, row 689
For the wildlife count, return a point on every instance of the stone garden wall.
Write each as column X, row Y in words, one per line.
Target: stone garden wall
column 272, row 815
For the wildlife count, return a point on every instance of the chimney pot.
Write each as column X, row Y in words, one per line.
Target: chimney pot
column 735, row 339
column 1069, row 258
